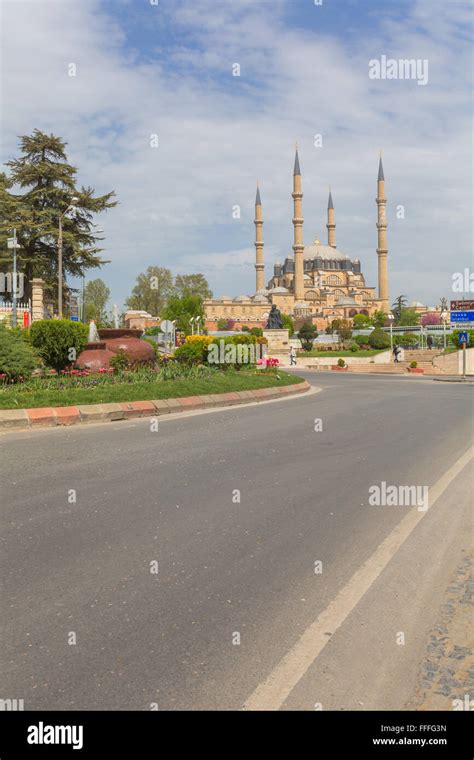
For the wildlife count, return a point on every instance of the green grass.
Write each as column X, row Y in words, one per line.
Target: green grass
column 14, row 397
column 314, row 353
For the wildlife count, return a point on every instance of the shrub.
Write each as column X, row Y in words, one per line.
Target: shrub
column 257, row 331
column 17, row 359
column 245, row 328
column 225, row 324
column 119, row 361
column 413, row 365
column 406, row 339
column 379, row 339
column 455, row 337
column 341, row 362
column 192, row 352
column 204, row 339
column 361, row 340
column 354, row 348
column 58, row 341
column 153, row 344
column 156, row 330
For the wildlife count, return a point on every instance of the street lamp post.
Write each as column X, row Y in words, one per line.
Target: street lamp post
column 197, row 324
column 191, row 322
column 444, row 315
column 74, row 200
column 391, row 318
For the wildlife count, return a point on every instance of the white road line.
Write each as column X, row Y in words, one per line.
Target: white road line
column 272, row 693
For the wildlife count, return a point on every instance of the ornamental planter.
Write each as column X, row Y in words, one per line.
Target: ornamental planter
column 94, row 357
column 415, row 370
column 337, row 368
column 97, row 355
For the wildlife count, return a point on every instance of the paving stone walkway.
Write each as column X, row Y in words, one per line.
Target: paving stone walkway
column 446, row 680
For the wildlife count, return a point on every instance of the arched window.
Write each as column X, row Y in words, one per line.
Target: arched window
column 311, row 295
column 333, row 279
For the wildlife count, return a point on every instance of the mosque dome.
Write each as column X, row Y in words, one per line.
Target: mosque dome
column 320, row 251
column 279, row 289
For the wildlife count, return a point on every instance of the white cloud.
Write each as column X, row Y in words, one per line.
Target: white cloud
column 218, row 133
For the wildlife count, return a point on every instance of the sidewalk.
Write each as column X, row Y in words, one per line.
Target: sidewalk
column 446, row 680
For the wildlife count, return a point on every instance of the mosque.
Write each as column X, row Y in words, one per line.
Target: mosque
column 318, row 282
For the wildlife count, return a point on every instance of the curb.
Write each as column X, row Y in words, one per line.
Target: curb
column 60, row 416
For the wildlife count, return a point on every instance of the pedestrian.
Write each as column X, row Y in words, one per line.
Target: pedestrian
column 292, row 356
column 429, row 342
column 397, row 351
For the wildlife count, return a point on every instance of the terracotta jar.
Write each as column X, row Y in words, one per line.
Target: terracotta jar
column 94, row 357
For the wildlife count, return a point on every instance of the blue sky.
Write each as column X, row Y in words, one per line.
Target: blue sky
column 166, row 70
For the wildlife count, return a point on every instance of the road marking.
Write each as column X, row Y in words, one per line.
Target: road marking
column 272, row 693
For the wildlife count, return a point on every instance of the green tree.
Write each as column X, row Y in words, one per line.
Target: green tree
column 307, row 335
column 361, row 321
column 47, row 185
column 96, row 296
column 379, row 318
column 182, row 310
column 288, row 324
column 192, row 285
column 407, row 317
column 152, row 291
column 398, row 305
column 345, row 330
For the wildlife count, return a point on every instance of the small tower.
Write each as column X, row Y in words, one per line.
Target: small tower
column 259, row 262
column 331, row 225
column 382, row 250
column 298, row 246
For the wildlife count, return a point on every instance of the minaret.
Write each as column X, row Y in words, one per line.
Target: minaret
column 382, row 249
column 259, row 263
column 298, row 246
column 331, row 225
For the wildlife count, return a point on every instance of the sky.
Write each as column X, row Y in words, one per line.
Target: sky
column 155, row 113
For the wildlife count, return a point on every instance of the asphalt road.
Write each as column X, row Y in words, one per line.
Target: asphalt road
column 236, row 507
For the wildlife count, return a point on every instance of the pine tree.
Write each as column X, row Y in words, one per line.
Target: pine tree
column 47, row 183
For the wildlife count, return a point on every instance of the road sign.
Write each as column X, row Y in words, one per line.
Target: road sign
column 462, row 316
column 12, row 242
column 167, row 326
column 74, row 318
column 462, row 305
column 463, row 337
